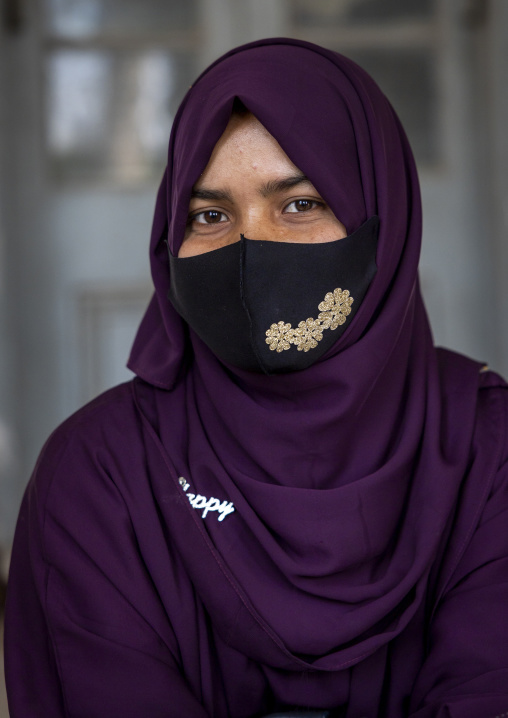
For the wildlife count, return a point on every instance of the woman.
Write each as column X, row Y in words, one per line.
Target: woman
column 298, row 504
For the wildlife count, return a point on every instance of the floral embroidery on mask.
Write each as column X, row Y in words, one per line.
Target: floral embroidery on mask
column 334, row 309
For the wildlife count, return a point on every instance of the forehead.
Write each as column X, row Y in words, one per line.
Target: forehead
column 246, row 147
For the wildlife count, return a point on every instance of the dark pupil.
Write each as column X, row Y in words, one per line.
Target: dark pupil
column 212, row 216
column 302, row 204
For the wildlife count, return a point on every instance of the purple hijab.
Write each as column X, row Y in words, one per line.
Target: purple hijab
column 345, row 475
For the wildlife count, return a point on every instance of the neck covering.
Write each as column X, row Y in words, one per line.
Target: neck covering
column 343, row 476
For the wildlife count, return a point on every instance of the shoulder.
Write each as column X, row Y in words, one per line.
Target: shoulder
column 114, row 407
column 488, row 390
column 96, row 424
column 492, row 437
column 87, row 460
column 482, row 517
column 492, row 415
column 488, row 469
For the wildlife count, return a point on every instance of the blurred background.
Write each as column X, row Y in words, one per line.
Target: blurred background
column 88, row 90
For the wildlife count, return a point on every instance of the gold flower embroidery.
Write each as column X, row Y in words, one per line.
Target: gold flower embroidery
column 334, row 309
column 279, row 336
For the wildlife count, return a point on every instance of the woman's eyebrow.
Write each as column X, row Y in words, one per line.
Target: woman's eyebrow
column 214, row 195
column 280, row 185
column 271, row 187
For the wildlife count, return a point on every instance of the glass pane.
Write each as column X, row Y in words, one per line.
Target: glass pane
column 356, row 12
column 85, row 18
column 408, row 78
column 109, row 114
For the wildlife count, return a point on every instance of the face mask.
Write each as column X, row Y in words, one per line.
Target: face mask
column 274, row 307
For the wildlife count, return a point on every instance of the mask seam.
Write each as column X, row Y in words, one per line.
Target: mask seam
column 244, row 305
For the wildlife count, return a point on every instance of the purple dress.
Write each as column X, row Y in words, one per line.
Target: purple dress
column 210, row 542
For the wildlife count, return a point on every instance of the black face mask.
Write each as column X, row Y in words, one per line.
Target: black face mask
column 274, row 307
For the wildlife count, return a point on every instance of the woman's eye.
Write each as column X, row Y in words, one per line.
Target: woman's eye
column 301, row 205
column 210, row 216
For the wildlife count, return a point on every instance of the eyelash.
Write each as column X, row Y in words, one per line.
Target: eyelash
column 194, row 217
column 313, row 202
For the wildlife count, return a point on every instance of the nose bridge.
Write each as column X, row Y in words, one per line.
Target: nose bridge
column 258, row 222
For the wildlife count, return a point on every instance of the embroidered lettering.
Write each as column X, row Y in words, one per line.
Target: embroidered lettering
column 225, row 509
column 197, row 501
column 211, row 505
